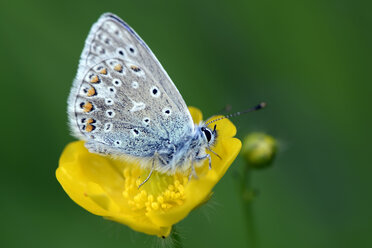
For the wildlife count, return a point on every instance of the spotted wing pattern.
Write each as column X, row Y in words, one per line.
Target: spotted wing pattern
column 122, row 101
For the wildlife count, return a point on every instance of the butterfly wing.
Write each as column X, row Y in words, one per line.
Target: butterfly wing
column 122, row 101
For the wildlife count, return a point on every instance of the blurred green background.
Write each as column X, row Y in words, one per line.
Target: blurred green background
column 310, row 60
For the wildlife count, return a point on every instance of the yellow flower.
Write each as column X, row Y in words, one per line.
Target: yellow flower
column 109, row 187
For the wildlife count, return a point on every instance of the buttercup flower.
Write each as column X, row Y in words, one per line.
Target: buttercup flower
column 109, row 187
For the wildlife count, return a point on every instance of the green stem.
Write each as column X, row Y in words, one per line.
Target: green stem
column 176, row 238
column 247, row 194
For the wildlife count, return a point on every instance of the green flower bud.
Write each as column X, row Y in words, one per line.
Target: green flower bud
column 259, row 150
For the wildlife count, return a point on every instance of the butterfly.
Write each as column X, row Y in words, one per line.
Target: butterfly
column 124, row 104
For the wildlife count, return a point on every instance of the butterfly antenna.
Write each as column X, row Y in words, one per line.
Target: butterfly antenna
column 255, row 108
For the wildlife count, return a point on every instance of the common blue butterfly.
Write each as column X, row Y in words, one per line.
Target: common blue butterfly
column 124, row 104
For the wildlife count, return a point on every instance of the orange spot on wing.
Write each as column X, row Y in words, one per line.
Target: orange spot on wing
column 89, row 128
column 91, row 91
column 90, row 121
column 135, row 68
column 118, row 67
column 94, row 79
column 88, row 107
column 103, row 71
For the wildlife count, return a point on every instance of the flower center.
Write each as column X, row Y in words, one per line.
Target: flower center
column 161, row 191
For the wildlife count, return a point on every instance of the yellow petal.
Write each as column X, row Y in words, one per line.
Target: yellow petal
column 197, row 190
column 109, row 187
column 196, row 114
column 94, row 183
column 69, row 176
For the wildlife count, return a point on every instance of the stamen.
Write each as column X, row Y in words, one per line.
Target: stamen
column 160, row 193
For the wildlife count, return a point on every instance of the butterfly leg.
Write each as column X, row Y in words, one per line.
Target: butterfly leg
column 192, row 172
column 204, row 157
column 209, row 161
column 148, row 177
column 209, row 149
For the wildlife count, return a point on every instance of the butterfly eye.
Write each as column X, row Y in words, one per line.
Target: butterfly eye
column 207, row 133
